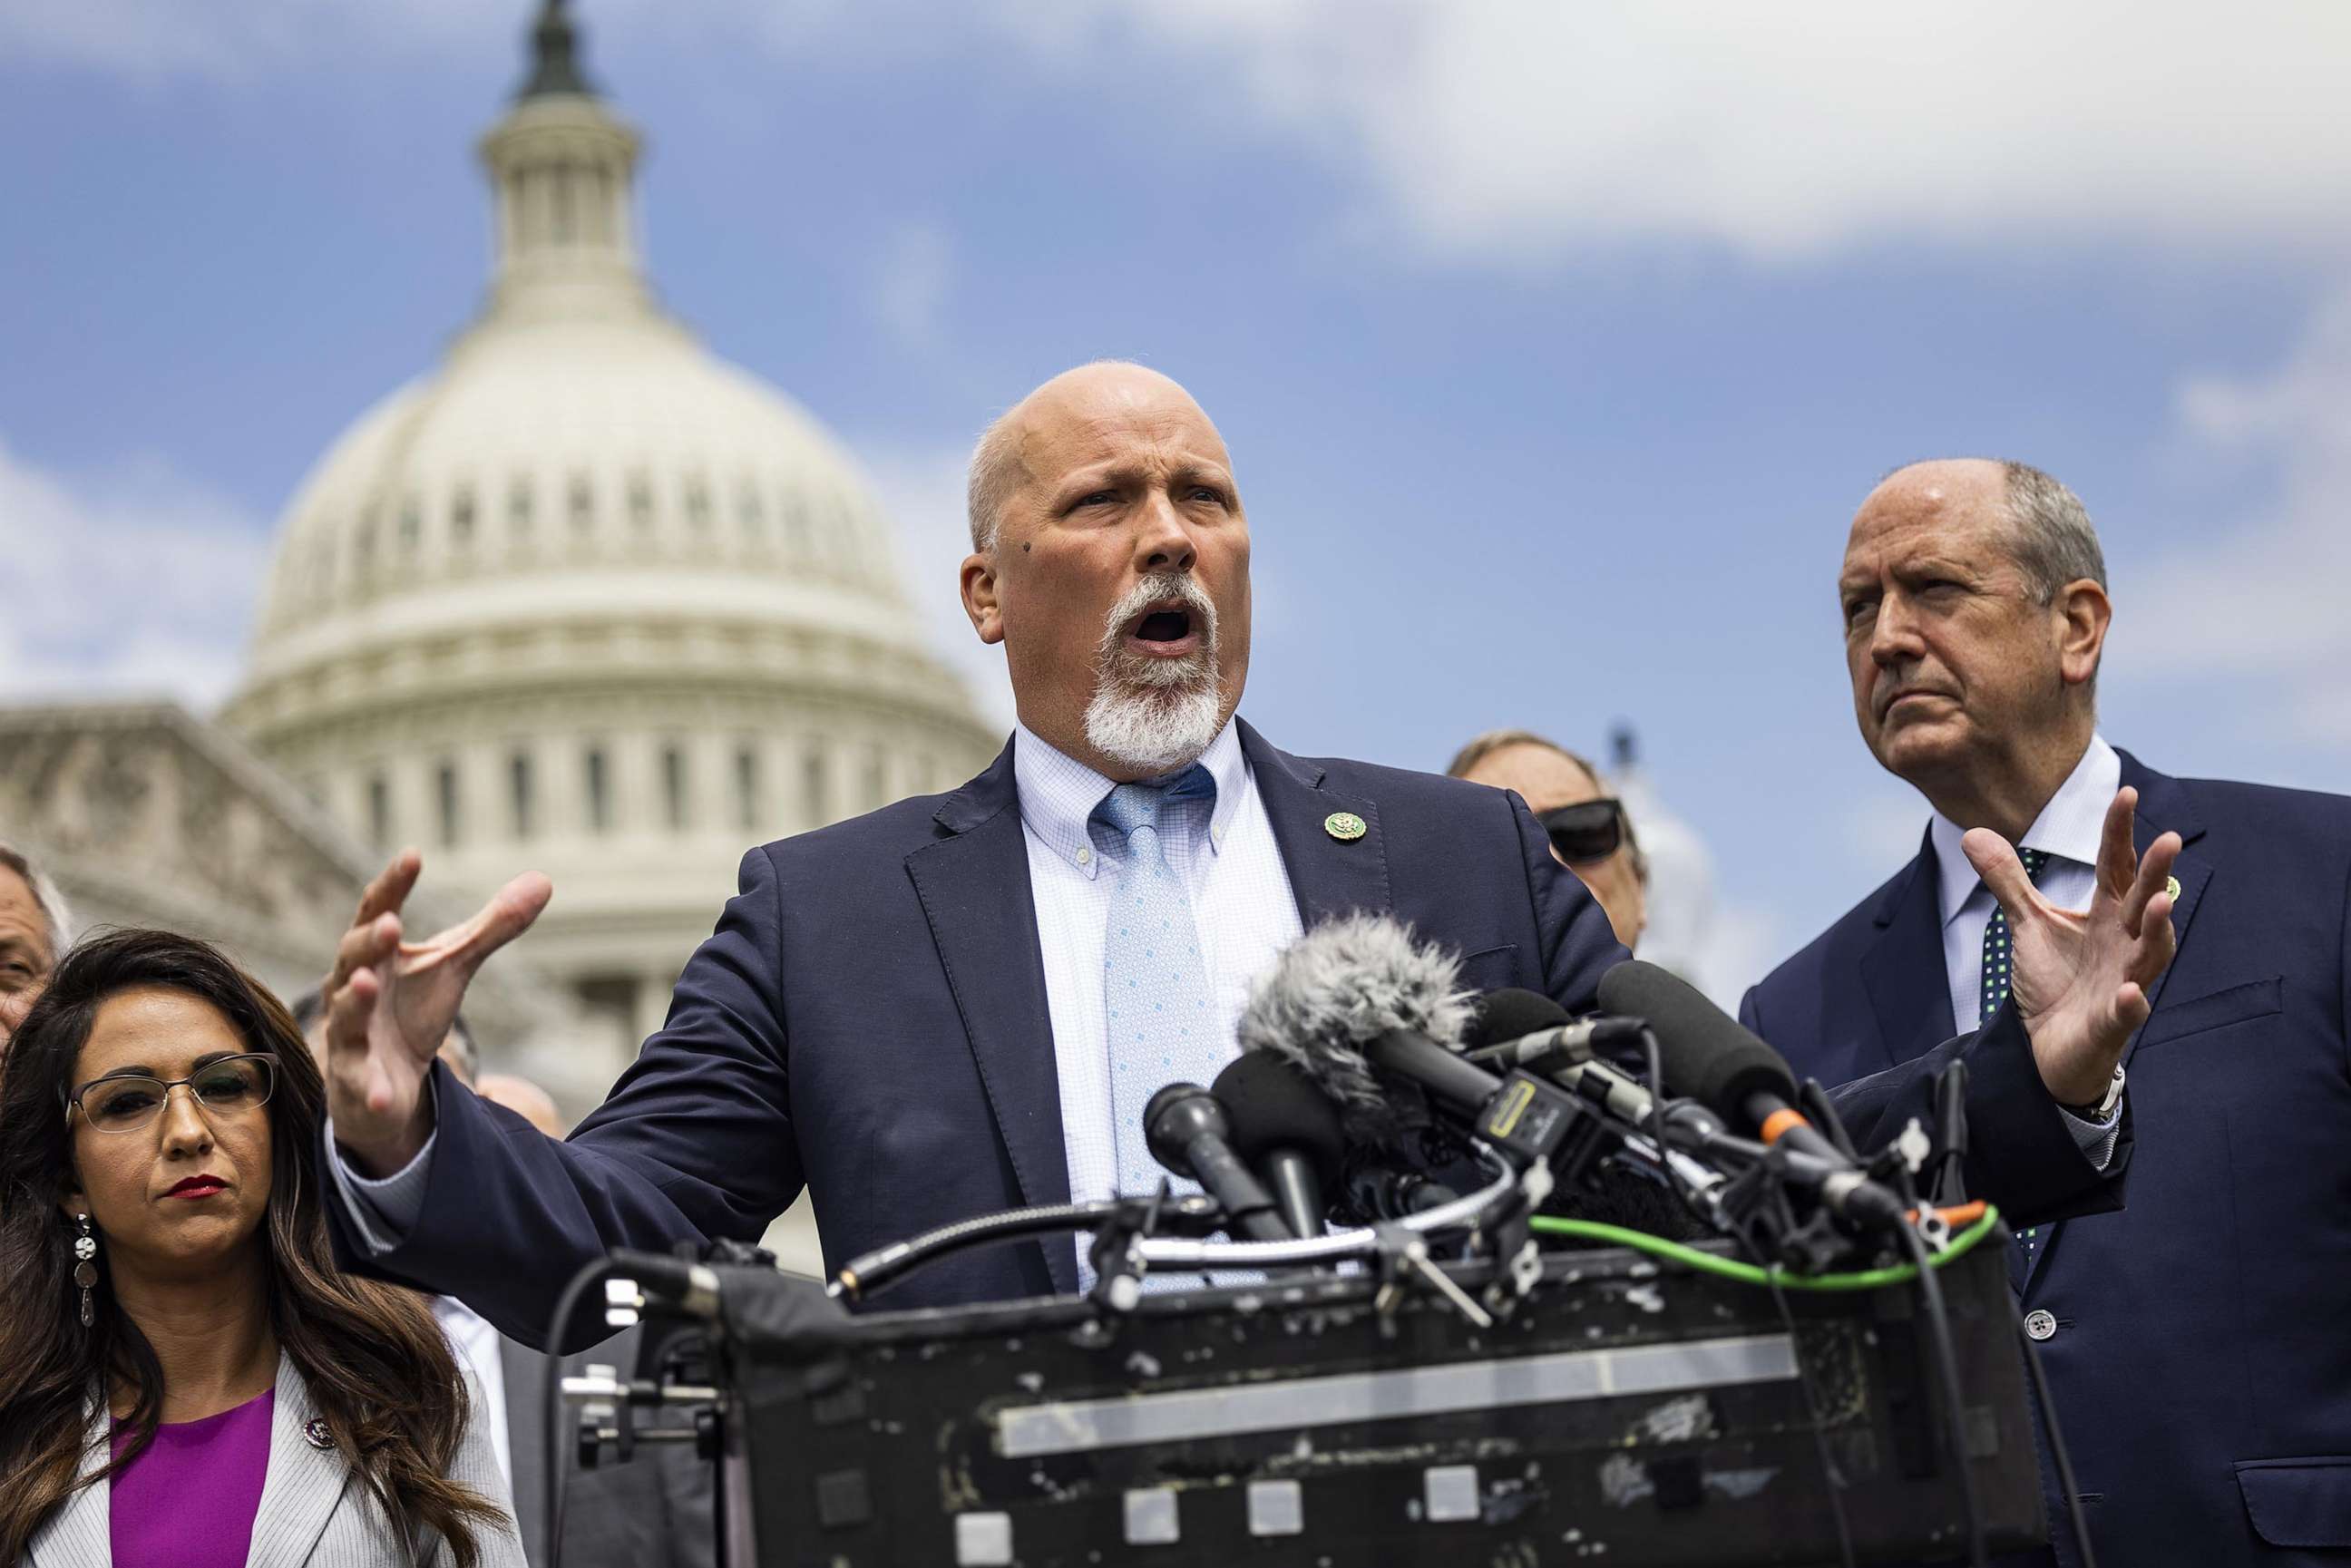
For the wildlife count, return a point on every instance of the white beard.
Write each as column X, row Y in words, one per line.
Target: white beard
column 1155, row 731
column 1152, row 715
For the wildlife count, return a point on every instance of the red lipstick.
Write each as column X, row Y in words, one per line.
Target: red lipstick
column 203, row 1186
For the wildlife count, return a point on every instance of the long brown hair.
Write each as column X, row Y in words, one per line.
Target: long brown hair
column 377, row 1366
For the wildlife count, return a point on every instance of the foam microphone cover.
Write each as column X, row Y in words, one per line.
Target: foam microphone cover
column 1708, row 1055
column 1337, row 988
column 1269, row 1104
column 1512, row 1013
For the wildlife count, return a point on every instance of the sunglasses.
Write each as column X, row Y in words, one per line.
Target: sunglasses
column 1586, row 831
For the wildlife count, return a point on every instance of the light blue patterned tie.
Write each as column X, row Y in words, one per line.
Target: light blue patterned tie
column 1159, row 1010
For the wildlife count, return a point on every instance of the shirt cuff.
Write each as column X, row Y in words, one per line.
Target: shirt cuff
column 2097, row 1140
column 383, row 1210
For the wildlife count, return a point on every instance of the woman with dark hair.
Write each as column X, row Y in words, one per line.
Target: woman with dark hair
column 184, row 1375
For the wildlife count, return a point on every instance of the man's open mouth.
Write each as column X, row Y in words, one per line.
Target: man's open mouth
column 1164, row 630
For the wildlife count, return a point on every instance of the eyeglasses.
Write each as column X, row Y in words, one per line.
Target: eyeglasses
column 1586, row 831
column 128, row 1102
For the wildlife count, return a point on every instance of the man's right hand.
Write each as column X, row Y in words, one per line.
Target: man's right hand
column 390, row 1005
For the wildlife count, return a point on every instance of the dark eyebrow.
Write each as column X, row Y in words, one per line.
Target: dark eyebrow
column 140, row 1070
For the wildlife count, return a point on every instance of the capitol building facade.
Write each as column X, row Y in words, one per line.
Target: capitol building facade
column 590, row 600
column 584, row 599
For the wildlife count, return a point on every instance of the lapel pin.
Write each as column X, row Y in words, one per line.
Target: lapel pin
column 1345, row 826
column 315, row 1433
column 2171, row 886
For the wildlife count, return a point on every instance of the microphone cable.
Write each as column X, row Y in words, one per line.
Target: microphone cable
column 876, row 1271
column 2059, row 1459
column 1947, row 1366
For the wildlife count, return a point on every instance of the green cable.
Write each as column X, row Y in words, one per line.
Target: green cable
column 1748, row 1273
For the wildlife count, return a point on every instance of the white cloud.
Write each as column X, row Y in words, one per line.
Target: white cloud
column 922, row 489
column 174, row 563
column 1503, row 130
column 1515, row 128
column 2267, row 598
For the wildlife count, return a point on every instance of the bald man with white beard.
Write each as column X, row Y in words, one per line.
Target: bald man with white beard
column 957, row 1004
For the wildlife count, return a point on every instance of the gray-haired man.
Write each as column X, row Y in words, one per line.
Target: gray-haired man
column 34, row 930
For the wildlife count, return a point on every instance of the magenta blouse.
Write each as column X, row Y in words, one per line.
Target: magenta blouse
column 189, row 1501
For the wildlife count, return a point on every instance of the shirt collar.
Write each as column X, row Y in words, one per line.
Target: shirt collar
column 1058, row 792
column 2069, row 827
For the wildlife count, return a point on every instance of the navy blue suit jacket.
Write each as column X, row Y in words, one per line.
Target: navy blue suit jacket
column 2201, row 1362
column 869, row 1020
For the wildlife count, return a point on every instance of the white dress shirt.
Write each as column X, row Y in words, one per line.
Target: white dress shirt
column 2069, row 831
column 477, row 1345
column 1241, row 902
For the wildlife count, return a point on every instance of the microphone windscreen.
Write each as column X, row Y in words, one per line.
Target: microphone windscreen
column 1270, row 1105
column 1338, row 987
column 1708, row 1055
column 1512, row 1013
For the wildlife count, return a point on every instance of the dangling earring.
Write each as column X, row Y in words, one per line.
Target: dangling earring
column 85, row 1274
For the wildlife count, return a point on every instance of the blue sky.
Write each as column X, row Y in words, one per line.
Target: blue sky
column 1554, row 344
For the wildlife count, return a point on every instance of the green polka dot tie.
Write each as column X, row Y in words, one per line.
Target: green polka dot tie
column 1998, row 956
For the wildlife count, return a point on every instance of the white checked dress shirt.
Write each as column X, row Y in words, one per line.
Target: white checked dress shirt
column 2068, row 830
column 1241, row 904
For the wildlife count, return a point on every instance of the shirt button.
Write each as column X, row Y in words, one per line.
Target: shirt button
column 2039, row 1324
column 1085, row 857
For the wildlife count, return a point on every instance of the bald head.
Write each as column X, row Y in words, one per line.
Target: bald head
column 1085, row 397
column 2041, row 524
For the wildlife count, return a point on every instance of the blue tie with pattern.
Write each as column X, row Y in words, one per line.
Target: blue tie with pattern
column 1994, row 988
column 1159, row 1010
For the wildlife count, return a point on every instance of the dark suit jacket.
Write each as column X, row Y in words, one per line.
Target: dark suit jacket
column 870, row 1020
column 654, row 1511
column 2202, row 1356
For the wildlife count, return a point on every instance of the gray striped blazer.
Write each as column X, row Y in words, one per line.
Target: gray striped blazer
column 314, row 1510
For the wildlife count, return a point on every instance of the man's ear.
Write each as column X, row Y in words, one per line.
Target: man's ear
column 979, row 599
column 2084, row 612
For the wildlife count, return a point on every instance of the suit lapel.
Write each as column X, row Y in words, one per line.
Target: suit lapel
column 305, row 1484
column 525, row 1371
column 81, row 1535
column 975, row 891
column 2163, row 807
column 1329, row 876
column 1903, row 970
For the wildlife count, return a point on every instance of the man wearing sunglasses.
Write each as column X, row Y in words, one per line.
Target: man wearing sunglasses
column 1589, row 833
column 2194, row 1340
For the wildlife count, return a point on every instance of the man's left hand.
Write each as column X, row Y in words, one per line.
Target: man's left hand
column 2079, row 981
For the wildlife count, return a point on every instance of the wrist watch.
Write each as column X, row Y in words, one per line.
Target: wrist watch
column 2103, row 1110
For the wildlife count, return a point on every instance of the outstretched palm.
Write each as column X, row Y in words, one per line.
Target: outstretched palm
column 2079, row 981
column 390, row 1005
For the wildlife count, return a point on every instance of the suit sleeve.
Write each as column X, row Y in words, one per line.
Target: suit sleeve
column 1577, row 944
column 695, row 1142
column 2023, row 1152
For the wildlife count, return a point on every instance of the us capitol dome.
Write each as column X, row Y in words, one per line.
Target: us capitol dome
column 589, row 599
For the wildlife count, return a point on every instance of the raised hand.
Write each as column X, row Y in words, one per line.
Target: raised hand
column 390, row 1005
column 2079, row 981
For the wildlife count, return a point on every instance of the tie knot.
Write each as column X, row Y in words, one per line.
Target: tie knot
column 2034, row 860
column 1130, row 806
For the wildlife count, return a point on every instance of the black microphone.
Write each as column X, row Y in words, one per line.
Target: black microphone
column 1712, row 1058
column 1519, row 1028
column 1187, row 1131
column 1287, row 1132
